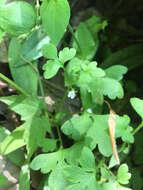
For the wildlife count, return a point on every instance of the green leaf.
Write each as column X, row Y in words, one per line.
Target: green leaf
column 111, row 88
column 35, row 130
column 77, row 126
column 116, row 72
column 27, row 107
column 87, row 160
column 123, row 175
column 86, row 42
column 22, row 73
column 51, row 68
column 17, row 17
column 3, row 180
column 24, row 180
column 17, row 157
column 59, row 182
column 49, row 51
column 45, row 162
column 77, row 175
column 3, row 133
column 48, row 145
column 105, row 173
column 2, row 34
column 129, row 57
column 31, row 48
column 55, row 16
column 66, row 54
column 13, row 141
column 137, row 104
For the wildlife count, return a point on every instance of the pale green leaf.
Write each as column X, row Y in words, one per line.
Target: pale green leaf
column 55, row 15
column 66, row 54
column 51, row 68
column 87, row 160
column 45, row 162
column 49, row 51
column 116, row 72
column 137, row 104
column 17, row 17
column 24, row 180
column 3, row 133
column 123, row 175
column 111, row 88
column 13, row 141
column 48, row 145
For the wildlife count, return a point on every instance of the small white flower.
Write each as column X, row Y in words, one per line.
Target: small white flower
column 89, row 110
column 71, row 94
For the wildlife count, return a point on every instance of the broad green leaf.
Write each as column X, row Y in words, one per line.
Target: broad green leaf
column 45, row 162
column 129, row 57
column 35, row 130
column 116, row 72
column 66, row 54
column 113, row 162
column 77, row 175
column 24, row 180
column 2, row 2
column 48, row 145
column 137, row 104
column 22, row 73
column 77, row 126
column 56, row 179
column 111, row 88
column 55, row 16
column 49, row 51
column 87, row 160
column 13, row 141
column 123, row 129
column 105, row 173
column 3, row 180
column 27, row 107
column 123, row 175
column 51, row 68
column 3, row 133
column 48, row 162
column 31, row 48
column 86, row 42
column 17, row 18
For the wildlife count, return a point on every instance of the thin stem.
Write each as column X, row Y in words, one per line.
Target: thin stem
column 74, row 37
column 138, row 128
column 13, row 84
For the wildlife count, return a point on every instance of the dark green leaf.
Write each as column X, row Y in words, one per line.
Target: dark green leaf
column 22, row 73
column 31, row 48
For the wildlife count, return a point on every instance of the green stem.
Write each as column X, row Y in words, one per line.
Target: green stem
column 138, row 128
column 62, row 101
column 13, row 84
column 74, row 37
